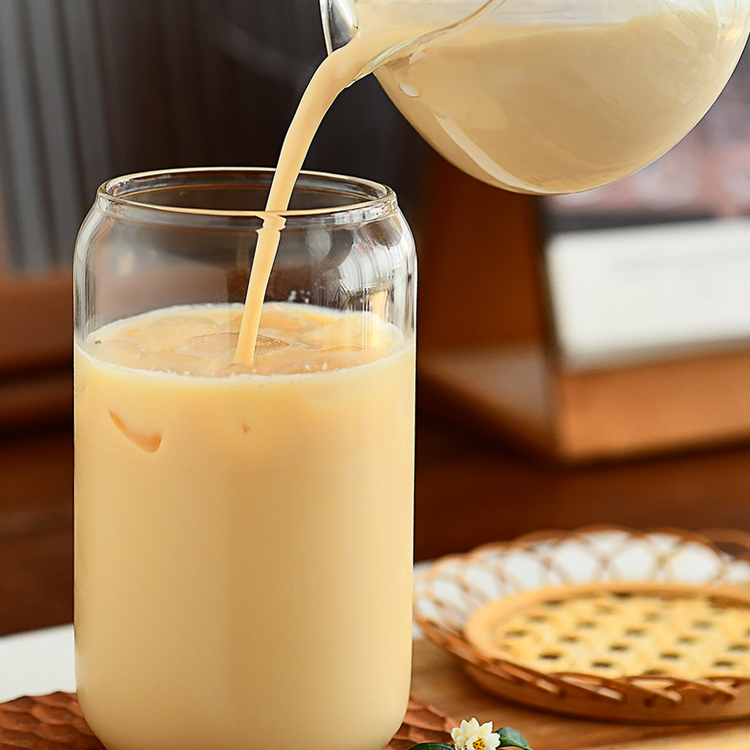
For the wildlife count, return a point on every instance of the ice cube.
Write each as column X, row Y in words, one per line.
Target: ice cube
column 209, row 345
column 266, row 345
column 121, row 352
column 234, row 322
column 170, row 332
column 296, row 360
column 352, row 331
column 170, row 360
column 279, row 319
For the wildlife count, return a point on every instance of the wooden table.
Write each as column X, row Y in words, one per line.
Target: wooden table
column 439, row 680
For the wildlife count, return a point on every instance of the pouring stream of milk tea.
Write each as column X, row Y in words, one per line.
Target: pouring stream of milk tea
column 366, row 50
column 528, row 95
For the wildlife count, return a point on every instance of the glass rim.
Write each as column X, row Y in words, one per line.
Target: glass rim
column 376, row 199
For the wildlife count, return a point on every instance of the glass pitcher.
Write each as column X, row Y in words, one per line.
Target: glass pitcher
column 548, row 96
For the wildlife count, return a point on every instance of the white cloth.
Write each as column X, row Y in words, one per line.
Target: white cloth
column 37, row 663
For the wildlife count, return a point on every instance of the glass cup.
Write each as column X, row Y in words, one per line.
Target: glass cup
column 243, row 532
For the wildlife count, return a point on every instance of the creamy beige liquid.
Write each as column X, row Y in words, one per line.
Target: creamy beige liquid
column 244, row 533
column 532, row 107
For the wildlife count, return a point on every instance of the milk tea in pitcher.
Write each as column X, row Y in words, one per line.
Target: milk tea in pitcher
column 544, row 97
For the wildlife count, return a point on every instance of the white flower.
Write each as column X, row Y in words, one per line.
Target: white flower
column 471, row 736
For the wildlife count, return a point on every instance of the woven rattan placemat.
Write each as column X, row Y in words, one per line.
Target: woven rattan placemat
column 55, row 722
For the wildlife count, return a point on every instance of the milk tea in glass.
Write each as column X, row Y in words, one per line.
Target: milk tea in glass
column 243, row 529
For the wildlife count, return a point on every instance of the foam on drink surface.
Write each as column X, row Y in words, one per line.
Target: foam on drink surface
column 201, row 340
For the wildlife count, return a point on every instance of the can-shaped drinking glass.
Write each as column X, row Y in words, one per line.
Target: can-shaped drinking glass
column 243, row 529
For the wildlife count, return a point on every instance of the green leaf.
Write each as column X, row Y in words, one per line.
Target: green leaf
column 432, row 746
column 510, row 737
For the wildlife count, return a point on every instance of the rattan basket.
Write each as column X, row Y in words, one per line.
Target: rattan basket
column 559, row 564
